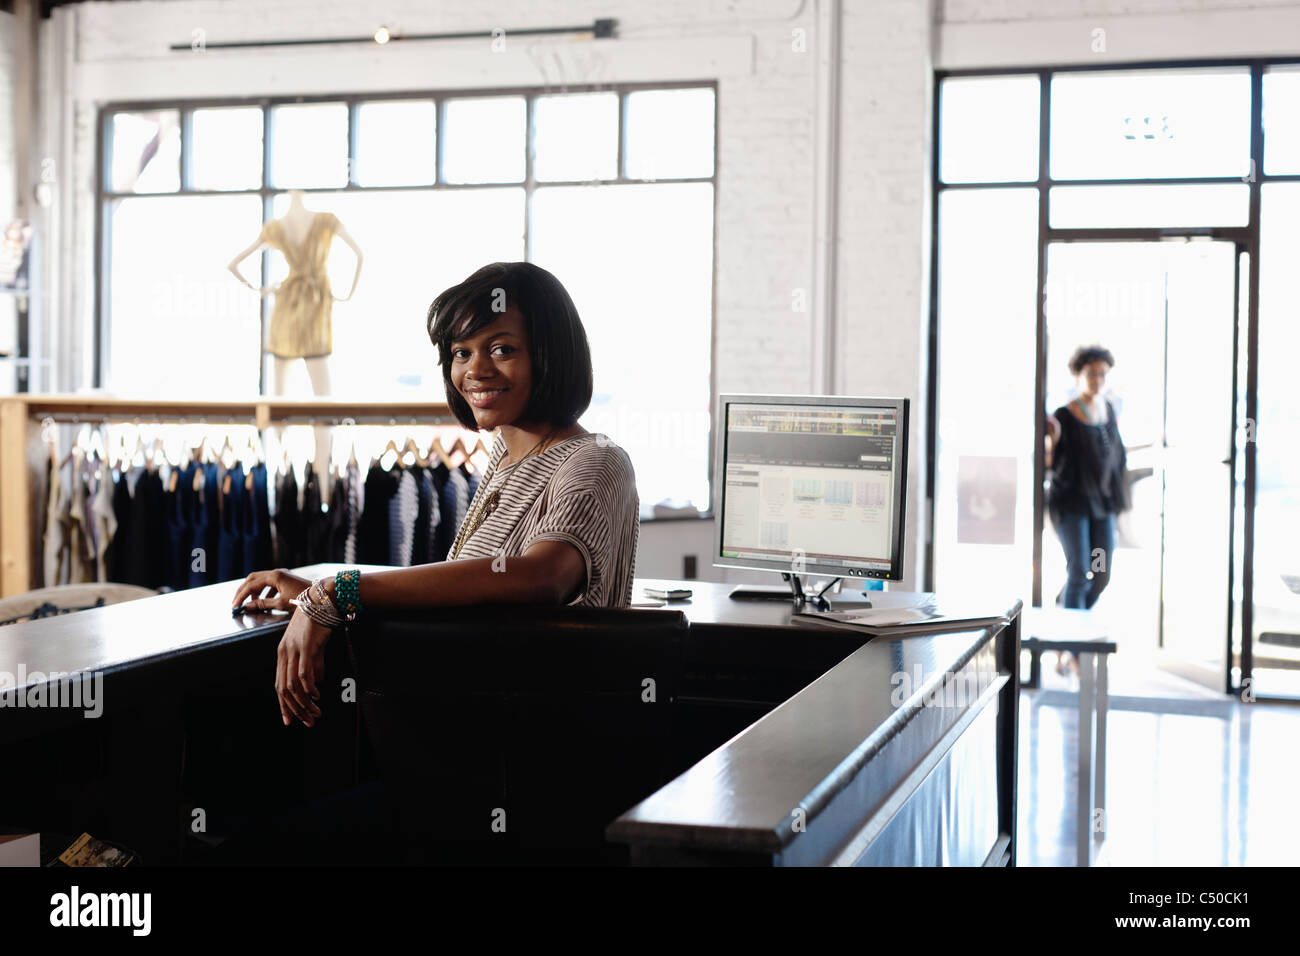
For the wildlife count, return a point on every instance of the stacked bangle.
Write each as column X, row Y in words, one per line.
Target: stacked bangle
column 332, row 610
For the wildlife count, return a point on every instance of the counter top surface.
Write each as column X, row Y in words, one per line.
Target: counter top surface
column 136, row 632
column 133, row 632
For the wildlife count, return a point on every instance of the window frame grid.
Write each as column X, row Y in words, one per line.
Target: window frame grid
column 104, row 196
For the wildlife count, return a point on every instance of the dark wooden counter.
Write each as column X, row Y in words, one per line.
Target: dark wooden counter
column 786, row 747
column 896, row 734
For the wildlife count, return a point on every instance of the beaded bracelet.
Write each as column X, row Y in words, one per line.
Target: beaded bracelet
column 347, row 593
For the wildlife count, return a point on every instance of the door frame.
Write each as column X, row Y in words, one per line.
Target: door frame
column 1166, row 660
column 1242, row 242
column 1245, row 238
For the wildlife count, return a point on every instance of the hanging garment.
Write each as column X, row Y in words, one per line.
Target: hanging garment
column 315, row 522
column 147, row 562
column 473, row 479
column 205, row 525
column 81, row 568
column 288, row 522
column 443, row 533
column 255, row 539
column 179, row 515
column 230, row 542
column 56, row 526
column 372, row 530
column 461, row 484
column 454, row 501
column 302, row 319
column 90, row 540
column 402, row 511
column 426, row 518
column 338, row 520
column 105, row 519
column 356, row 503
column 119, row 549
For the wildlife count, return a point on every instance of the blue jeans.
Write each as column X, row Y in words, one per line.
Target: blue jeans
column 1089, row 545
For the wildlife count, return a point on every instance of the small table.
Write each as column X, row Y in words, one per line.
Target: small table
column 1078, row 631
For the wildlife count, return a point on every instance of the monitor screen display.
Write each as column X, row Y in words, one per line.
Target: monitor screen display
column 814, row 483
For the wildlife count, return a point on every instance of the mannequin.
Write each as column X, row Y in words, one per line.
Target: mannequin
column 302, row 319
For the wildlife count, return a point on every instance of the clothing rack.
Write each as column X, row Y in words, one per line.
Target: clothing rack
column 23, row 451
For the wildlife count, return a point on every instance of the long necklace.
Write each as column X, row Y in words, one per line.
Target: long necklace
column 490, row 502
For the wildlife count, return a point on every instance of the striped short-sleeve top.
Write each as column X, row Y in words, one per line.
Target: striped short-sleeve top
column 581, row 490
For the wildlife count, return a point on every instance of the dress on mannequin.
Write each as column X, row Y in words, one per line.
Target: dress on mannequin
column 302, row 318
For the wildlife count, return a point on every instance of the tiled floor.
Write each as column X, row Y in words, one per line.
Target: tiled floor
column 1211, row 782
column 1130, row 675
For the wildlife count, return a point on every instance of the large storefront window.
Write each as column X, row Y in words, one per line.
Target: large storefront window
column 612, row 190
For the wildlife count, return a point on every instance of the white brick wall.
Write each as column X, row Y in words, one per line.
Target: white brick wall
column 884, row 255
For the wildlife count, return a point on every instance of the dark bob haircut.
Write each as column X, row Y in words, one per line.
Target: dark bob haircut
column 1085, row 355
column 557, row 342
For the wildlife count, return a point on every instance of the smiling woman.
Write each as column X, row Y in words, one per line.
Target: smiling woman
column 555, row 517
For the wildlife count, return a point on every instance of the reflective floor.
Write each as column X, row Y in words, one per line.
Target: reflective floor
column 1189, row 782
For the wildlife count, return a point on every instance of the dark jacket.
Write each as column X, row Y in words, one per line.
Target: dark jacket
column 1088, row 470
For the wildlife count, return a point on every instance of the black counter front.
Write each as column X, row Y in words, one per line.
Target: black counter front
column 705, row 731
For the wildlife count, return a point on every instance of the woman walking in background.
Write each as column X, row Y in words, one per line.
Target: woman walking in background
column 1086, row 466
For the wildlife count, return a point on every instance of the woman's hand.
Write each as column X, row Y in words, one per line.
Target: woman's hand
column 300, row 663
column 284, row 588
column 1053, row 429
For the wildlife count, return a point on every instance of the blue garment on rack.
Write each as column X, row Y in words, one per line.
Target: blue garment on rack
column 230, row 550
column 453, row 501
column 426, row 518
column 256, row 526
column 205, row 526
column 402, row 510
column 179, row 510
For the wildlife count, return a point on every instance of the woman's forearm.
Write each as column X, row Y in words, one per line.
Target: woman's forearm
column 516, row 580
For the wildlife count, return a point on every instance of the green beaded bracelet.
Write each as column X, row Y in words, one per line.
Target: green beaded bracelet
column 347, row 593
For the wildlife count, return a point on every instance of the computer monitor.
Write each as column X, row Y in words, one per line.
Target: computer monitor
column 811, row 484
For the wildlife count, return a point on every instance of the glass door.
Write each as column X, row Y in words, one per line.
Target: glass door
column 1200, row 309
column 1167, row 311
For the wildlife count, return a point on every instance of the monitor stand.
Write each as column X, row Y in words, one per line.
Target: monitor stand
column 793, row 593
